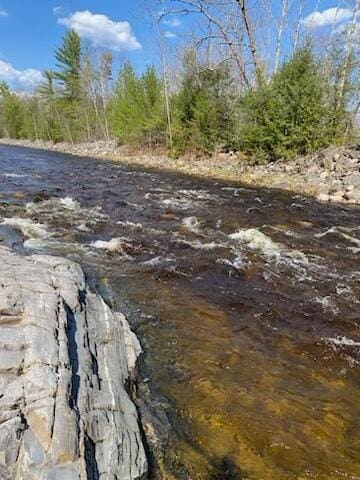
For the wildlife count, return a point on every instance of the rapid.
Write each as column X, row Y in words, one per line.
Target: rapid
column 246, row 302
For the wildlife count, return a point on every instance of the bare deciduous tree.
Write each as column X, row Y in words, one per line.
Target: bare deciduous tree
column 350, row 43
column 221, row 24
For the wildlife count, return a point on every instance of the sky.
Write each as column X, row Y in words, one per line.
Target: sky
column 30, row 30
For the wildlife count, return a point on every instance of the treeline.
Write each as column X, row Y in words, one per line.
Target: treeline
column 298, row 109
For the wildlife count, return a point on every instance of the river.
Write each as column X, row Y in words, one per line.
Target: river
column 246, row 302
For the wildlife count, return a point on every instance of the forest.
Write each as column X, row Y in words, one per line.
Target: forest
column 221, row 89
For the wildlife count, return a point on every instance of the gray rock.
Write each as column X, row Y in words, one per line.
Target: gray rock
column 323, row 197
column 353, row 179
column 335, row 186
column 65, row 358
column 337, row 198
column 323, row 188
column 353, row 195
column 328, row 161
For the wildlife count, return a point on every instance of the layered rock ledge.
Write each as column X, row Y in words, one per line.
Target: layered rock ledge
column 65, row 364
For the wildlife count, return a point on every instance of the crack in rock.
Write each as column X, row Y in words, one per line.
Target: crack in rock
column 66, row 360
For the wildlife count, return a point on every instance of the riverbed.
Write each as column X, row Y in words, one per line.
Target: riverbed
column 246, row 302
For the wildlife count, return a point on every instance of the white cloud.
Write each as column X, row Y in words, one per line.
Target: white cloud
column 59, row 10
column 330, row 16
column 170, row 35
column 28, row 78
column 173, row 22
column 3, row 13
column 102, row 31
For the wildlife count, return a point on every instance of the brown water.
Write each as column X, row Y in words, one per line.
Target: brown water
column 246, row 303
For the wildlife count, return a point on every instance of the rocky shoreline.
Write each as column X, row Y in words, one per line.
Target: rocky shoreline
column 332, row 175
column 66, row 360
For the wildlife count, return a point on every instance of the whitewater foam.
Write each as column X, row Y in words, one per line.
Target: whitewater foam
column 13, row 175
column 237, row 264
column 192, row 224
column 135, row 226
column 327, row 304
column 342, row 341
column 235, row 191
column 182, row 199
column 115, row 245
column 197, row 245
column 158, row 261
column 339, row 231
column 67, row 203
column 256, row 240
column 27, row 227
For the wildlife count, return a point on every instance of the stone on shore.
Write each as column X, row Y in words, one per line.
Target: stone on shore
column 65, row 362
column 321, row 174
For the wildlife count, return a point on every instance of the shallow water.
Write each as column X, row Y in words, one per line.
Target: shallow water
column 246, row 302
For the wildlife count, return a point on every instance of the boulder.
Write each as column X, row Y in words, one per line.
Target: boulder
column 323, row 197
column 353, row 196
column 65, row 363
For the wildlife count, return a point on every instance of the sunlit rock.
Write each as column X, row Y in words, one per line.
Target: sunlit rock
column 65, row 358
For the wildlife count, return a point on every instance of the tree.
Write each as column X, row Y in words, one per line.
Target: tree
column 244, row 9
column 47, row 100
column 221, row 26
column 69, row 96
column 290, row 115
column 105, row 79
column 349, row 48
column 10, row 112
column 68, row 57
column 137, row 111
column 203, row 107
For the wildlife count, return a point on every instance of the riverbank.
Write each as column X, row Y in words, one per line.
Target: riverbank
column 332, row 175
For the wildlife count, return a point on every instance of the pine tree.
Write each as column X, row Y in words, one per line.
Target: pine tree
column 11, row 117
column 137, row 113
column 290, row 115
column 153, row 107
column 203, row 107
column 68, row 57
column 48, row 100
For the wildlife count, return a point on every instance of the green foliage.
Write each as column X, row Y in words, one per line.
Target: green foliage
column 10, row 113
column 68, row 57
column 302, row 108
column 48, row 110
column 291, row 114
column 137, row 107
column 202, row 107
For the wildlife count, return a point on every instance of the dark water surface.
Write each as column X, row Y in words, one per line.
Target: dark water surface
column 246, row 303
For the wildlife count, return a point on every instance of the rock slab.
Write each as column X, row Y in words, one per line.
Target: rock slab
column 65, row 364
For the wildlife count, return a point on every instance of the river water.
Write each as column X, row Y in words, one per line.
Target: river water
column 246, row 302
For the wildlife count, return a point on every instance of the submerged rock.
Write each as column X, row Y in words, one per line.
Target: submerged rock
column 65, row 360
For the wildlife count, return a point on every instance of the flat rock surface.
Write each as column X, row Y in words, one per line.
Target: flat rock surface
column 65, row 360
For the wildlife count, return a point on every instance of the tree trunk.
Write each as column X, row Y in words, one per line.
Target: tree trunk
column 284, row 11
column 349, row 50
column 252, row 40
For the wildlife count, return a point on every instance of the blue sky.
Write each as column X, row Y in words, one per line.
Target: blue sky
column 30, row 30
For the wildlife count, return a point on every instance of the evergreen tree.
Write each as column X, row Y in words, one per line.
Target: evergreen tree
column 290, row 115
column 203, row 107
column 69, row 97
column 11, row 114
column 51, row 117
column 68, row 57
column 137, row 107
